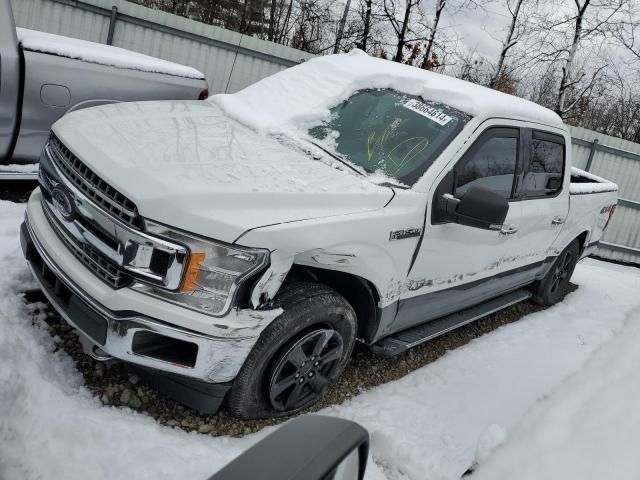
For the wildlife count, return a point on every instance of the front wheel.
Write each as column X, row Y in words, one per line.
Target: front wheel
column 298, row 356
column 553, row 286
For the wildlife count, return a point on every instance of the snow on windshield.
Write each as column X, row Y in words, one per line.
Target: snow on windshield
column 302, row 96
column 100, row 54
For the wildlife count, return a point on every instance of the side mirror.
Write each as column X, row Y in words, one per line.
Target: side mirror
column 311, row 447
column 478, row 207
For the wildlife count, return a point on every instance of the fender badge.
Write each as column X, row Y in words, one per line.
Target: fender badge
column 405, row 233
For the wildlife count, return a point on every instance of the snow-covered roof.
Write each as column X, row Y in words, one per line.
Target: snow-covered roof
column 304, row 93
column 101, row 54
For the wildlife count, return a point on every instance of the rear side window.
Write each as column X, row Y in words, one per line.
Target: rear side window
column 490, row 164
column 544, row 172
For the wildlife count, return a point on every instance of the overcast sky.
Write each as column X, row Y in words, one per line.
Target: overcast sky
column 476, row 27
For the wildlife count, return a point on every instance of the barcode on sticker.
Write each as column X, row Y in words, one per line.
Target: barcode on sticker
column 428, row 111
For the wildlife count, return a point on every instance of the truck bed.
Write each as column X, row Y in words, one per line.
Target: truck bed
column 583, row 182
column 592, row 202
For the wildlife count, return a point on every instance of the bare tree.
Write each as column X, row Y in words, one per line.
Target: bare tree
column 570, row 79
column 366, row 14
column 272, row 19
column 427, row 59
column 627, row 32
column 510, row 40
column 400, row 27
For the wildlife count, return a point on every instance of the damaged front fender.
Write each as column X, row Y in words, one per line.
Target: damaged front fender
column 271, row 280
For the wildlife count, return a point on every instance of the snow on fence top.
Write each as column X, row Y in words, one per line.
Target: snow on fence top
column 101, row 54
column 303, row 94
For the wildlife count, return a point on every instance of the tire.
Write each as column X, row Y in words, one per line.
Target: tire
column 316, row 319
column 552, row 288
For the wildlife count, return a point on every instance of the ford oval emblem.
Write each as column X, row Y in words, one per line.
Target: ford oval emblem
column 64, row 203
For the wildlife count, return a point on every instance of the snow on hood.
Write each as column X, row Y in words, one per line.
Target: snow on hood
column 302, row 95
column 186, row 164
column 101, row 54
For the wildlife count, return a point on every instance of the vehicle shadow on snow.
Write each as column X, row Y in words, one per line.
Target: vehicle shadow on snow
column 116, row 384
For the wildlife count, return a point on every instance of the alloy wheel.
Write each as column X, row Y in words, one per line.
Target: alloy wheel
column 305, row 370
column 561, row 271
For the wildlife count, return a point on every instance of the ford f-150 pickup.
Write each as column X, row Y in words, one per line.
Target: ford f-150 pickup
column 44, row 76
column 236, row 249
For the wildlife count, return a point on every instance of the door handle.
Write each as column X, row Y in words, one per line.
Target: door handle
column 508, row 230
column 557, row 221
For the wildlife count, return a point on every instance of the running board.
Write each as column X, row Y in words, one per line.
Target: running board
column 403, row 341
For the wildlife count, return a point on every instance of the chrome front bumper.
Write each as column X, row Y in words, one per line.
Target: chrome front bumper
column 132, row 337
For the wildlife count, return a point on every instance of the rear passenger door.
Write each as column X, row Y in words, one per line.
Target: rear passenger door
column 543, row 194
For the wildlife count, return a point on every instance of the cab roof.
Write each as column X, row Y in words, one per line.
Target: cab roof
column 302, row 95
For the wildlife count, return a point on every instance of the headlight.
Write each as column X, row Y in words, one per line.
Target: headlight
column 214, row 271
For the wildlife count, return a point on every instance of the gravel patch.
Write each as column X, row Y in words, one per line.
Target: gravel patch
column 117, row 385
column 17, row 190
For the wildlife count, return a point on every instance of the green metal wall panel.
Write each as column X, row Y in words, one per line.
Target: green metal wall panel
column 619, row 161
column 229, row 60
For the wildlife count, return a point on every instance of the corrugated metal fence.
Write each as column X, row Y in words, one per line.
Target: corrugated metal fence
column 619, row 161
column 229, row 60
column 232, row 61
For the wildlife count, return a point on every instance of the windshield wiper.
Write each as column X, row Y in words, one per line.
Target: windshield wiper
column 335, row 156
column 345, row 162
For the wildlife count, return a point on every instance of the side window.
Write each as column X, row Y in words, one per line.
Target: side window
column 491, row 163
column 544, row 172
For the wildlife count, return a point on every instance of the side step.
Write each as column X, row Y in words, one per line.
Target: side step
column 403, row 341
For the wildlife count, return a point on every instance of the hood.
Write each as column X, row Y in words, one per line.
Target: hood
column 188, row 165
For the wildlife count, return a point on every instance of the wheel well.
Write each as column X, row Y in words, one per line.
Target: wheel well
column 360, row 293
column 582, row 239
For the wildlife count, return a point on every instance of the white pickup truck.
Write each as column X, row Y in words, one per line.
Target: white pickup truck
column 237, row 248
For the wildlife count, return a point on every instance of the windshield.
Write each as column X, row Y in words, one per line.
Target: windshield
column 388, row 131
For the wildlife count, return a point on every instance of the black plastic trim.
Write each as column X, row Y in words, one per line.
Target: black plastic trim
column 308, row 448
column 205, row 398
column 16, row 133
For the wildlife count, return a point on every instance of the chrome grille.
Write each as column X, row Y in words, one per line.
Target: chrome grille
column 94, row 261
column 89, row 183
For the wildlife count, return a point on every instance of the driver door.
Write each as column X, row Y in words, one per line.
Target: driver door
column 456, row 265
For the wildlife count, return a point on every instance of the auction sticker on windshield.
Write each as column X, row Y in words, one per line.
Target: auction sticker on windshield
column 428, row 111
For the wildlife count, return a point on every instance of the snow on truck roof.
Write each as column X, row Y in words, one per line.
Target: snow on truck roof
column 101, row 54
column 304, row 94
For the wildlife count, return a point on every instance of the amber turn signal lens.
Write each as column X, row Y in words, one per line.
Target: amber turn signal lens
column 190, row 280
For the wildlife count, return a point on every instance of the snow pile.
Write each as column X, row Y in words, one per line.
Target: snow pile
column 588, row 428
column 50, row 425
column 492, row 437
column 302, row 95
column 100, row 54
column 434, row 423
column 595, row 185
column 20, row 168
column 438, row 421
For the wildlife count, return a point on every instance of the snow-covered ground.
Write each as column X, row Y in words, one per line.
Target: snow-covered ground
column 536, row 386
column 18, row 168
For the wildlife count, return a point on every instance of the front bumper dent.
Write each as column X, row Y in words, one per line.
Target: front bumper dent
column 132, row 337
